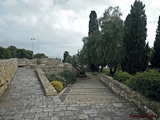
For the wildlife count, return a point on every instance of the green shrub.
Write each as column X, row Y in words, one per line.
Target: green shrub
column 68, row 76
column 51, row 77
column 61, row 78
column 122, row 76
column 146, row 83
column 127, row 82
column 57, row 85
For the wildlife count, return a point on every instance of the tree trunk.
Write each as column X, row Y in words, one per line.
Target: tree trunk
column 112, row 70
column 92, row 67
column 115, row 68
column 101, row 68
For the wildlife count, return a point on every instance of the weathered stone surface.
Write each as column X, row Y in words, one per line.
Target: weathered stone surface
column 48, row 88
column 147, row 106
column 57, row 68
column 38, row 62
column 8, row 69
column 83, row 117
column 24, row 99
column 47, row 65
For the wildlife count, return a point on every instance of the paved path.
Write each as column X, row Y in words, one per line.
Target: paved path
column 90, row 90
column 86, row 99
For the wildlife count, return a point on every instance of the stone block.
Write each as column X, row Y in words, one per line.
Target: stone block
column 47, row 87
column 8, row 69
column 83, row 117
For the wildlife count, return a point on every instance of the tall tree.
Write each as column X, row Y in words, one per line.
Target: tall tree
column 135, row 47
column 88, row 55
column 74, row 61
column 4, row 53
column 91, row 41
column 93, row 23
column 29, row 54
column 40, row 55
column 91, row 52
column 13, row 51
column 100, row 46
column 156, row 54
column 22, row 53
column 83, row 57
column 65, row 55
column 112, row 35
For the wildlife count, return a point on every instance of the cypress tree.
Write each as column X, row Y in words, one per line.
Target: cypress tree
column 156, row 54
column 135, row 47
column 93, row 23
column 65, row 55
column 91, row 41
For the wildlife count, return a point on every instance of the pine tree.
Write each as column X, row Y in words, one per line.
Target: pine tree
column 156, row 54
column 135, row 47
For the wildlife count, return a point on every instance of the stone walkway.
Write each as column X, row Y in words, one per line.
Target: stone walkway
column 85, row 100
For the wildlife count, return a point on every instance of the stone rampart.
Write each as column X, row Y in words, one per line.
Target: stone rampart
column 147, row 106
column 8, row 69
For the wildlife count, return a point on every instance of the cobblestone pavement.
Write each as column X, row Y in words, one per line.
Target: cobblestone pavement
column 85, row 100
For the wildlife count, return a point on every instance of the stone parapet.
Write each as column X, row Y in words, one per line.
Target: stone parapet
column 146, row 105
column 38, row 62
column 8, row 69
column 47, row 87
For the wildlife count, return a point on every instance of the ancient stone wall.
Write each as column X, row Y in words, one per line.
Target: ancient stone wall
column 48, row 65
column 147, row 106
column 38, row 62
column 8, row 69
column 57, row 69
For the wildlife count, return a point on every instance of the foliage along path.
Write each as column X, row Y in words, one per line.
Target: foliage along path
column 85, row 100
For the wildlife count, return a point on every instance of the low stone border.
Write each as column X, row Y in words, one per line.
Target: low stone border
column 48, row 88
column 147, row 106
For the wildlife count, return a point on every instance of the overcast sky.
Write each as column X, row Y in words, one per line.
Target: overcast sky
column 60, row 25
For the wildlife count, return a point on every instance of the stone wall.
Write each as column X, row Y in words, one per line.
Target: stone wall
column 8, row 69
column 57, row 69
column 147, row 106
column 38, row 62
column 48, row 65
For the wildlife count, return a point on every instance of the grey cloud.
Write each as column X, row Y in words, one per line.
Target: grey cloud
column 58, row 25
